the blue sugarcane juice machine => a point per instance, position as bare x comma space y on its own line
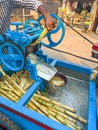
18, 52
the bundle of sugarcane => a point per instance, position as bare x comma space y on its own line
58, 107
22, 78
13, 89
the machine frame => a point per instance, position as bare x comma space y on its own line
29, 119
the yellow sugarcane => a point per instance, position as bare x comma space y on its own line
55, 102
40, 37
39, 103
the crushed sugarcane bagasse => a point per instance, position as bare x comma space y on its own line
57, 81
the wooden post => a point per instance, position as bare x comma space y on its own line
93, 13
23, 16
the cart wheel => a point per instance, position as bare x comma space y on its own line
7, 124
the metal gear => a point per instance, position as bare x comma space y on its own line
12, 56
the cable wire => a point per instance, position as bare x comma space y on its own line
78, 32
74, 54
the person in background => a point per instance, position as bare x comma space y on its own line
6, 7
79, 7
88, 7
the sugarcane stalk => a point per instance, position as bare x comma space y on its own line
2, 83
7, 95
71, 114
50, 116
27, 86
15, 91
15, 78
38, 92
15, 98
76, 117
43, 102
6, 88
50, 106
63, 115
9, 80
60, 109
35, 105
54, 114
8, 92
22, 83
40, 112
42, 108
65, 122
14, 84
55, 102
19, 95
75, 126
1, 94
30, 105
14, 95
